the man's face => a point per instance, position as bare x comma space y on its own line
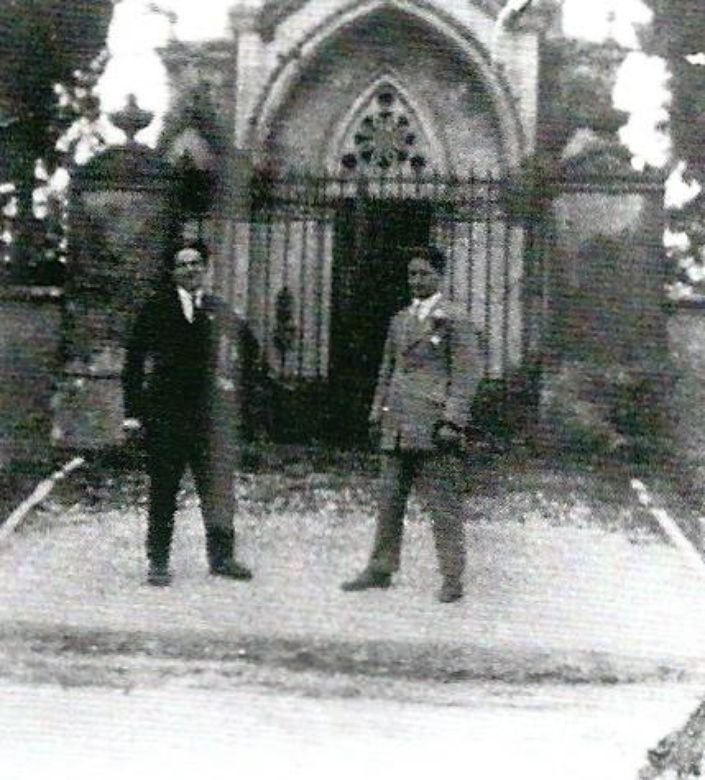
189, 270
423, 280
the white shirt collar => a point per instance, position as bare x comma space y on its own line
422, 307
188, 302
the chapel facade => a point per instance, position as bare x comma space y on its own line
343, 132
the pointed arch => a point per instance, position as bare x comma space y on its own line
275, 12
294, 61
433, 145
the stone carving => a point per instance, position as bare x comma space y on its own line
386, 138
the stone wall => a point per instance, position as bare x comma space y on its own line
30, 320
122, 231
608, 272
608, 370
686, 335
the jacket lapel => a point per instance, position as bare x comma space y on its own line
411, 327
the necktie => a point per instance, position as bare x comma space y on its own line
197, 300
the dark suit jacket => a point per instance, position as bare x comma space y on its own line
429, 374
197, 374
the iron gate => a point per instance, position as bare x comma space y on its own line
321, 256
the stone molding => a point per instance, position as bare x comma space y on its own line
273, 13
291, 63
694, 303
539, 17
246, 20
605, 164
420, 112
180, 55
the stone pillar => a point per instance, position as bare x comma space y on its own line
517, 50
608, 369
30, 340
214, 67
200, 123
609, 258
232, 215
121, 232
250, 70
686, 338
231, 209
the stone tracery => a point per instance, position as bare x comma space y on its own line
386, 138
301, 47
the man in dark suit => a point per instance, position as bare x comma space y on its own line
185, 382
430, 370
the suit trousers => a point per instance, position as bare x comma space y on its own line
439, 480
171, 447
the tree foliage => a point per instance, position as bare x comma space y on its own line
677, 33
579, 93
46, 51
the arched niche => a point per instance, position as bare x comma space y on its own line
388, 129
438, 68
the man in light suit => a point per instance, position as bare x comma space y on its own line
187, 374
430, 371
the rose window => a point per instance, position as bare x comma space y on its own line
385, 138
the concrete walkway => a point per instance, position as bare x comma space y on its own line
541, 733
542, 602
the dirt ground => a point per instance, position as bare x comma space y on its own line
568, 578
569, 583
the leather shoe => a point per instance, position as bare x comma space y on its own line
232, 570
159, 576
450, 591
368, 579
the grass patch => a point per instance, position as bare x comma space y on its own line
509, 487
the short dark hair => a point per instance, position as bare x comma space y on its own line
197, 250
432, 255
199, 245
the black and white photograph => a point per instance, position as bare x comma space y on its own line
352, 389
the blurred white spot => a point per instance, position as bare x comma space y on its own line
599, 20
678, 190
674, 240
10, 210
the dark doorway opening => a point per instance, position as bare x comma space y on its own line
369, 285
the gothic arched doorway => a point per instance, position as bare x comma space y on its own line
369, 285
397, 151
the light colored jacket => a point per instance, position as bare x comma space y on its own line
429, 374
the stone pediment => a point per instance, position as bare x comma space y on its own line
275, 12
310, 35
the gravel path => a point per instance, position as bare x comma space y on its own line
547, 598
